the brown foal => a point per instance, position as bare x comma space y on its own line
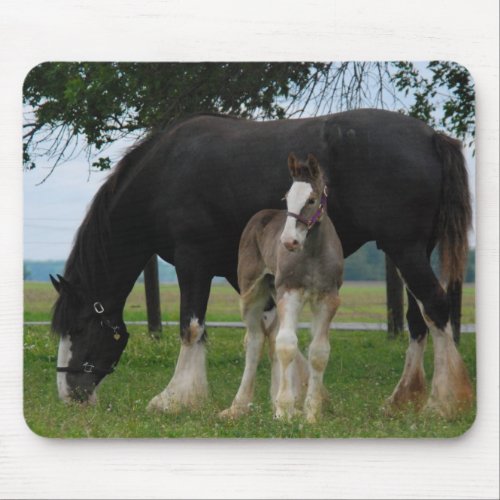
293, 256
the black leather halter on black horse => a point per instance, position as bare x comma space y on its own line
89, 367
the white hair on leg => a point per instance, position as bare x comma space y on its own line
451, 386
189, 386
411, 386
254, 342
298, 368
319, 353
289, 307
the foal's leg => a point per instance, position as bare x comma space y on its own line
299, 368
290, 304
188, 386
253, 302
411, 387
451, 388
319, 352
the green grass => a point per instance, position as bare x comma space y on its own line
363, 370
361, 302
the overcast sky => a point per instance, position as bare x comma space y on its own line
54, 210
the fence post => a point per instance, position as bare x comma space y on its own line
454, 292
152, 289
395, 300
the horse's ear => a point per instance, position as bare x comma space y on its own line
292, 164
63, 284
313, 165
55, 283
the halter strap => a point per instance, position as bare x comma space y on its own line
88, 367
316, 216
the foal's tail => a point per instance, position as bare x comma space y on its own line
455, 212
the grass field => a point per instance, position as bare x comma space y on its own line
361, 302
364, 367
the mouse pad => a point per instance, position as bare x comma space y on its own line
257, 250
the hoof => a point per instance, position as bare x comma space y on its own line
171, 402
447, 409
312, 417
234, 412
411, 401
408, 394
286, 414
163, 404
312, 408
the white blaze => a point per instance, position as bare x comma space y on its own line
63, 360
296, 199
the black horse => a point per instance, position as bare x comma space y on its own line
186, 193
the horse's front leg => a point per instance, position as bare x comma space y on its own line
290, 304
319, 352
188, 387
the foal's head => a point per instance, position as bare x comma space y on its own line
306, 201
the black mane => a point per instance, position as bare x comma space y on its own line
88, 255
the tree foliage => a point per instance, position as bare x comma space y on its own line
70, 107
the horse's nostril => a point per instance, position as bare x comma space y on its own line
295, 243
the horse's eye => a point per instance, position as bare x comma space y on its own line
311, 201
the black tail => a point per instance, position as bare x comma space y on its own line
455, 214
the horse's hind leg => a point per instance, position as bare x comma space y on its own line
188, 386
319, 352
411, 388
253, 303
451, 388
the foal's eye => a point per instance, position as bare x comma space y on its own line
311, 201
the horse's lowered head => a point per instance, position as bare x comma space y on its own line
306, 201
92, 340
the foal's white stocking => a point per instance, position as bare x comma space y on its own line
254, 341
289, 307
319, 353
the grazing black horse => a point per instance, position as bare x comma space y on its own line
186, 193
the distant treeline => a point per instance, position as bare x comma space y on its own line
367, 264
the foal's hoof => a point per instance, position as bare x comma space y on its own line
286, 414
312, 418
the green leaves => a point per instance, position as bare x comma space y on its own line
78, 106
443, 95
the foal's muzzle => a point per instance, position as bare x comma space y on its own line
292, 245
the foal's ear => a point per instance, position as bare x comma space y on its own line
292, 164
313, 165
